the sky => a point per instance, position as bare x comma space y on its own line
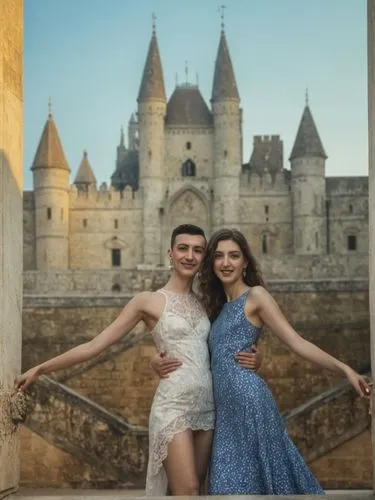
88, 56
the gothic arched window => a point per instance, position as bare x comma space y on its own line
188, 168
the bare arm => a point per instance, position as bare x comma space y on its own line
131, 314
271, 315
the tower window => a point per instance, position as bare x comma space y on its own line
352, 242
188, 145
265, 244
116, 257
49, 213
188, 168
350, 208
116, 223
266, 209
225, 153
84, 222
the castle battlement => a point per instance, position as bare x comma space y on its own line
265, 181
105, 197
266, 138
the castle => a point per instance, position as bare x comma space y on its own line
183, 163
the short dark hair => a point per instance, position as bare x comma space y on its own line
186, 229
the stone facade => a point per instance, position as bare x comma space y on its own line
183, 163
11, 121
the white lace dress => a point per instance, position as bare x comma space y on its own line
185, 399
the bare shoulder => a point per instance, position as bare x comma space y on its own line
147, 300
258, 294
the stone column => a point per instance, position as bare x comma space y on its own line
11, 29
371, 136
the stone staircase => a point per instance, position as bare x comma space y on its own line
327, 420
117, 451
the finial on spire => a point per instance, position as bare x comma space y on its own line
307, 97
153, 23
49, 106
221, 9
187, 72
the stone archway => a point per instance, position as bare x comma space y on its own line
11, 15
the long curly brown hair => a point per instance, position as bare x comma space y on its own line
212, 291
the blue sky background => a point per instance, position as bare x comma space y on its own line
88, 55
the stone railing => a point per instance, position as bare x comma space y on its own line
76, 282
328, 420
116, 450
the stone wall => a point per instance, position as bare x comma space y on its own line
103, 220
11, 120
279, 270
349, 464
333, 315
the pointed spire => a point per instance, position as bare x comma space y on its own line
122, 138
307, 141
152, 84
224, 86
50, 152
85, 175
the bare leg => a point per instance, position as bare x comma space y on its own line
202, 452
180, 465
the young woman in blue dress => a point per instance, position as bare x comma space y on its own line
251, 452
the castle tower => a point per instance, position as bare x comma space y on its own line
227, 140
307, 161
51, 182
151, 114
85, 176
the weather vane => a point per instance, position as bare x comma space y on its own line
221, 9
50, 106
307, 96
153, 23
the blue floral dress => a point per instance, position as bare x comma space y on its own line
252, 453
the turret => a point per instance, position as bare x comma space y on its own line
307, 161
85, 177
227, 140
151, 115
51, 182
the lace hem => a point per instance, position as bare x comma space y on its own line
159, 445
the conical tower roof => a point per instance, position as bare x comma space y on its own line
85, 174
50, 152
152, 84
224, 85
307, 141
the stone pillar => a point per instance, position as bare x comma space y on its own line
11, 16
371, 130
